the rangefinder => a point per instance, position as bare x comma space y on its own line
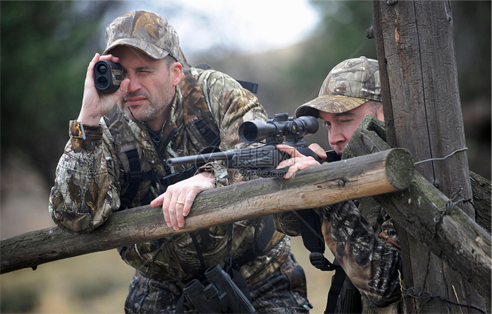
108, 76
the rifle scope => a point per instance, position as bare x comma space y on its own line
274, 131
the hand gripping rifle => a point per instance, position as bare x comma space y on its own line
261, 160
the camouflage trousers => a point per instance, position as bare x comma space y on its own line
283, 292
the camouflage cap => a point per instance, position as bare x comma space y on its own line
146, 31
348, 85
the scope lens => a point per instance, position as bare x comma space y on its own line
102, 68
102, 82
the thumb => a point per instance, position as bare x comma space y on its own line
120, 92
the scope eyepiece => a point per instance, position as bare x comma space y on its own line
108, 76
308, 124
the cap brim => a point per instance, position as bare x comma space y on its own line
150, 49
330, 104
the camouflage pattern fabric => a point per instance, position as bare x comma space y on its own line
348, 85
370, 261
281, 293
146, 31
90, 178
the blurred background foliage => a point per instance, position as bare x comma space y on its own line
44, 62
45, 49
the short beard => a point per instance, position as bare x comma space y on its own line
151, 111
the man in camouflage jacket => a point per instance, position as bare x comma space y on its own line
166, 109
351, 91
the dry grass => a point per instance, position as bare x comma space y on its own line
94, 283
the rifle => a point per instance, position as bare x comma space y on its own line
261, 160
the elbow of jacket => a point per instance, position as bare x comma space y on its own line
75, 224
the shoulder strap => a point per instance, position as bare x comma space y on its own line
252, 87
335, 289
310, 223
260, 243
198, 118
201, 123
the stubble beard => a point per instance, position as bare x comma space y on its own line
155, 110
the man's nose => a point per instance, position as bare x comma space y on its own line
134, 84
335, 136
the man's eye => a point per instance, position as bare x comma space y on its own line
345, 120
327, 124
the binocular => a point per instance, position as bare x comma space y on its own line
108, 76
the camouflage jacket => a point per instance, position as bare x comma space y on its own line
92, 176
371, 262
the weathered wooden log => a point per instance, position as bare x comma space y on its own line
383, 172
415, 48
434, 220
454, 236
482, 195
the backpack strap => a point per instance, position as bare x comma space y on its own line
343, 296
260, 243
252, 87
335, 289
310, 223
212, 139
134, 177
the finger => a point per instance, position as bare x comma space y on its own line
290, 173
165, 208
180, 212
286, 163
108, 57
172, 211
123, 86
190, 198
89, 77
120, 92
289, 150
318, 150
158, 201
300, 165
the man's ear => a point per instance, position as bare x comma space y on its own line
176, 72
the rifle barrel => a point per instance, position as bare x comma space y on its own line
200, 159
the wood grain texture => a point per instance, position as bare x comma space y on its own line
316, 186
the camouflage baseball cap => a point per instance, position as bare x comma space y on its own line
146, 31
348, 85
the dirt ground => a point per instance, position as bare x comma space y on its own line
93, 283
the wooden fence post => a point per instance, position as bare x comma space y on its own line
414, 41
